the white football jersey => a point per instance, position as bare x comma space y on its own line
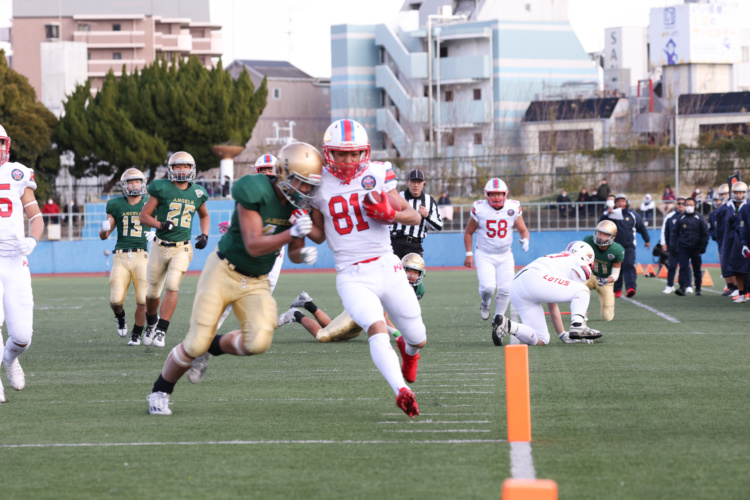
351, 234
561, 265
14, 179
495, 226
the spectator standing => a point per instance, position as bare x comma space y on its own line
628, 223
51, 208
728, 224
583, 199
445, 206
563, 203
603, 191
690, 236
647, 209
666, 235
225, 188
407, 239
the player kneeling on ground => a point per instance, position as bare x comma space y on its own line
237, 273
553, 278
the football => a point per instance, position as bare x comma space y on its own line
375, 197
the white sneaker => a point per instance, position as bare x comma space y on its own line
198, 370
668, 289
287, 317
301, 300
689, 289
148, 335
565, 337
158, 403
739, 299
158, 338
122, 325
15, 375
500, 328
734, 294
583, 332
484, 311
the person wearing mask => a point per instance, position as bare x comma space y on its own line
690, 236
666, 235
647, 209
50, 209
563, 203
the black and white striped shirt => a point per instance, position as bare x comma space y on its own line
433, 221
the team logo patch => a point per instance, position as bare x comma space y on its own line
16, 174
511, 212
368, 182
199, 192
610, 256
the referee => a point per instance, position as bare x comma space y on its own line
408, 239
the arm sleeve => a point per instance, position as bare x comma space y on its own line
433, 219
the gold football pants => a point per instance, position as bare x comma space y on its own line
167, 265
251, 300
342, 327
127, 267
606, 295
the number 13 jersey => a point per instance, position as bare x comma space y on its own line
350, 233
495, 226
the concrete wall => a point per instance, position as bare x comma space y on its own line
440, 250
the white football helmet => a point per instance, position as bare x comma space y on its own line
495, 186
181, 158
266, 164
415, 262
739, 189
4, 146
346, 135
583, 253
133, 174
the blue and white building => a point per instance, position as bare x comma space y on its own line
454, 78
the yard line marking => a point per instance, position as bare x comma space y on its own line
521, 461
270, 442
437, 431
457, 392
456, 385
651, 309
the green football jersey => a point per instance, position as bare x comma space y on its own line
130, 233
176, 206
255, 192
419, 290
603, 259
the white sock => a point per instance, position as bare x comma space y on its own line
12, 351
526, 334
390, 329
501, 303
410, 349
386, 361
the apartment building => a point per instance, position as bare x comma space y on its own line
60, 43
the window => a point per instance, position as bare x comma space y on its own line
450, 139
566, 140
277, 94
52, 31
382, 98
443, 51
477, 94
427, 134
381, 55
117, 56
88, 56
116, 27
415, 6
448, 96
426, 91
478, 138
84, 27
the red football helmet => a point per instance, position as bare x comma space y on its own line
4, 146
346, 135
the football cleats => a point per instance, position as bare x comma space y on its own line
298, 163
133, 174
181, 158
605, 232
266, 164
346, 135
496, 186
739, 190
4, 146
583, 252
415, 262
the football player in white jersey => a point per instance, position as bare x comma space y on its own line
495, 219
347, 214
553, 279
17, 187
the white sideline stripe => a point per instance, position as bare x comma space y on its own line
440, 414
418, 422
521, 461
651, 309
455, 392
284, 442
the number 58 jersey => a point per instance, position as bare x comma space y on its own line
495, 226
350, 233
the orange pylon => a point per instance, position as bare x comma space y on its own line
638, 269
649, 272
706, 281
663, 272
529, 489
517, 392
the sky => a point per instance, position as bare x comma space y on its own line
299, 30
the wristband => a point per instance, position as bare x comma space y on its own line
469, 254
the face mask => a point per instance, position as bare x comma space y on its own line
689, 210
49, 202
610, 203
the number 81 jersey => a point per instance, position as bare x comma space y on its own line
14, 179
495, 226
350, 233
